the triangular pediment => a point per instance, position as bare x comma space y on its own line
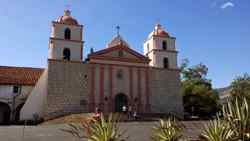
119, 53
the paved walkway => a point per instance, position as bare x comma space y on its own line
137, 131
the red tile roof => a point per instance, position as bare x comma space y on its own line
19, 75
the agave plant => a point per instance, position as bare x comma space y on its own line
217, 130
98, 130
167, 130
236, 113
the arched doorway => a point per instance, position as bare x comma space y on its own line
4, 113
120, 101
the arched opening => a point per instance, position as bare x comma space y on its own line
120, 53
165, 63
164, 45
18, 110
66, 54
67, 34
120, 101
5, 112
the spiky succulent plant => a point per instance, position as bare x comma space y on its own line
217, 130
98, 130
167, 130
236, 113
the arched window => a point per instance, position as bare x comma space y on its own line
165, 63
164, 45
66, 54
120, 53
67, 34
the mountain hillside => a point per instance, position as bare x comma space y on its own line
224, 93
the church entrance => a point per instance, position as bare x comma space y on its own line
120, 101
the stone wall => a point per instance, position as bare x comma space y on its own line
165, 96
67, 88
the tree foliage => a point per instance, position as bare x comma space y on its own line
198, 96
240, 87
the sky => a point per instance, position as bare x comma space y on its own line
213, 32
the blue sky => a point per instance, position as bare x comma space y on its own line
214, 32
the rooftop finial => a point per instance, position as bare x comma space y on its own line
67, 11
157, 26
118, 30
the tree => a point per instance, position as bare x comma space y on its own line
240, 87
198, 96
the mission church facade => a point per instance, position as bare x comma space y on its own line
108, 79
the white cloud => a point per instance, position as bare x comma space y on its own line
227, 5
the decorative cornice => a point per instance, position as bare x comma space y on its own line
119, 47
153, 36
130, 66
160, 50
76, 41
119, 59
54, 22
65, 61
123, 65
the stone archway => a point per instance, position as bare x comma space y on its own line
5, 112
120, 100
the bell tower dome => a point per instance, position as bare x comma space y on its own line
159, 47
66, 41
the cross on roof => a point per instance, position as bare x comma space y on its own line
67, 6
118, 30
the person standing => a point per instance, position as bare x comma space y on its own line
135, 115
124, 109
130, 113
97, 115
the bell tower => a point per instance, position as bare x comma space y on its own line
159, 47
66, 41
